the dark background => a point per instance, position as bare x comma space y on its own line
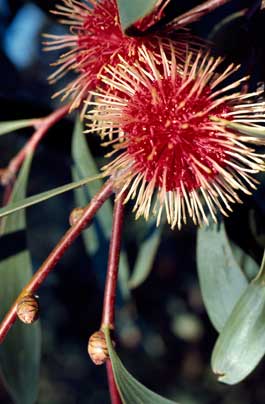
165, 337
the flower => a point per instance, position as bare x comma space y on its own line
95, 40
175, 152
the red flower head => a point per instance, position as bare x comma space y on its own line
95, 40
171, 139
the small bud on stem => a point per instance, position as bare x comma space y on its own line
75, 215
28, 309
97, 348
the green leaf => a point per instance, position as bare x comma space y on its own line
86, 166
245, 261
145, 259
20, 352
221, 279
131, 391
89, 235
43, 196
124, 276
240, 345
92, 242
132, 11
7, 127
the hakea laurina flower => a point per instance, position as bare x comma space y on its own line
167, 127
95, 40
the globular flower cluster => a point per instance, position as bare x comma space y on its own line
96, 40
164, 106
170, 139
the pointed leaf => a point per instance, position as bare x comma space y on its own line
20, 352
10, 126
43, 196
123, 276
89, 235
240, 345
145, 259
221, 279
131, 391
86, 166
92, 242
132, 11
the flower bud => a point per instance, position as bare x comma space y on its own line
28, 309
97, 348
75, 215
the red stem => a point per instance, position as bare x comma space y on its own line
56, 254
114, 393
43, 125
198, 12
108, 312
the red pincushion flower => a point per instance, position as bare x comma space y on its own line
171, 138
95, 40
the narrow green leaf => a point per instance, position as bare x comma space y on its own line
132, 11
240, 345
43, 196
246, 130
7, 127
86, 166
131, 391
221, 279
145, 259
20, 352
89, 235
124, 274
92, 242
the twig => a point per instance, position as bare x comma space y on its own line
114, 394
108, 312
197, 12
42, 126
56, 254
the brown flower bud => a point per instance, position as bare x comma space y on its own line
28, 309
97, 348
75, 215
